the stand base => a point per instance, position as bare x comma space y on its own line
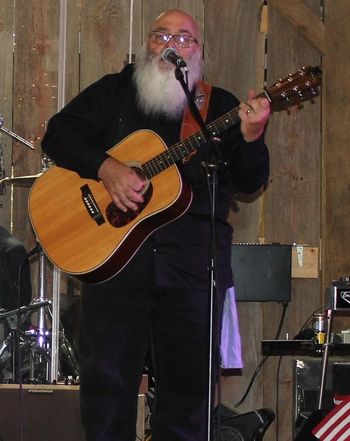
241, 427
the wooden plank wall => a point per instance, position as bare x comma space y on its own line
301, 204
292, 200
6, 84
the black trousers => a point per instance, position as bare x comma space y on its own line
120, 321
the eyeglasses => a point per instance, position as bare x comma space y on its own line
181, 40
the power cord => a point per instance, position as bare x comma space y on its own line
284, 310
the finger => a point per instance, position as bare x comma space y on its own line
246, 109
138, 186
251, 94
120, 205
250, 110
125, 205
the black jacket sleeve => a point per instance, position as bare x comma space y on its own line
247, 163
74, 138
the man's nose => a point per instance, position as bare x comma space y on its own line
171, 42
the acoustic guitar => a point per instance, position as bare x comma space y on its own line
81, 230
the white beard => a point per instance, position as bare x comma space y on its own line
158, 91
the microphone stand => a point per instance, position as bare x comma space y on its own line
211, 169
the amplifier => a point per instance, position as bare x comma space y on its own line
262, 272
48, 413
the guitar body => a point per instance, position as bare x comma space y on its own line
96, 250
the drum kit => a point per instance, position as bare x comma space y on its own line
33, 347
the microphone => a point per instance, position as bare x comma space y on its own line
171, 56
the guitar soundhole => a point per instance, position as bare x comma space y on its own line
118, 218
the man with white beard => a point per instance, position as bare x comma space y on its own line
159, 300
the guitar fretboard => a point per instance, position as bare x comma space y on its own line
187, 146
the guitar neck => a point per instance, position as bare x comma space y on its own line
189, 145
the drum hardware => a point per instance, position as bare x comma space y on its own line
16, 344
14, 135
42, 331
26, 181
57, 340
30, 349
18, 180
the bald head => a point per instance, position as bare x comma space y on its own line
168, 28
176, 18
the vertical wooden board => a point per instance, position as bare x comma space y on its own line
6, 87
35, 92
104, 38
336, 172
294, 139
293, 192
234, 54
292, 200
232, 45
72, 59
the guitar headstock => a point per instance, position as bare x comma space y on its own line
294, 89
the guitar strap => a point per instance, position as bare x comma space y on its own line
189, 124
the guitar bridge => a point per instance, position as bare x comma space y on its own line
91, 205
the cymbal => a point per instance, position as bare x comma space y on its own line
20, 180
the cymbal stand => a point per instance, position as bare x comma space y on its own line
46, 163
23, 141
55, 328
14, 135
42, 279
38, 339
56, 278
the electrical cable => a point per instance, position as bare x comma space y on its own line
284, 305
277, 398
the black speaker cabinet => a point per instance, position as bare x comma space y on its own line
261, 273
40, 413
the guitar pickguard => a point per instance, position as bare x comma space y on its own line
118, 218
